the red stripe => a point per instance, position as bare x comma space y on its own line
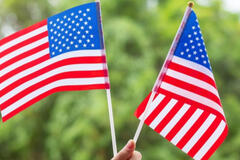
192, 88
75, 60
204, 137
191, 102
216, 144
22, 32
181, 123
192, 73
20, 69
192, 130
45, 94
142, 106
24, 55
157, 110
66, 75
169, 116
24, 43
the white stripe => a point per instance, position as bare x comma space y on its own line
199, 133
64, 82
23, 37
153, 105
175, 120
67, 68
23, 61
214, 137
163, 113
192, 96
187, 126
193, 65
80, 53
23, 49
192, 80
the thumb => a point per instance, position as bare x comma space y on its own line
126, 152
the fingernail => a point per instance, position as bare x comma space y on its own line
130, 144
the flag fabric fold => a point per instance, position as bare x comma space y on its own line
62, 53
186, 109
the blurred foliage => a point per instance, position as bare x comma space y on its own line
75, 125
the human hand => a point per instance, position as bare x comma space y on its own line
128, 152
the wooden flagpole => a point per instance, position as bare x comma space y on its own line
109, 99
164, 69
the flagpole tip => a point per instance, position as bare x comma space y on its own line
191, 4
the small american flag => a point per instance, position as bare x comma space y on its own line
62, 53
186, 109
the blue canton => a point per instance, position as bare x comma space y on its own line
191, 45
75, 29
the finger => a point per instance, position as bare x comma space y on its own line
126, 152
136, 156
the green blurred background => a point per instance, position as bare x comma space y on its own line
138, 34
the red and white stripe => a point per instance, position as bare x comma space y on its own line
187, 109
28, 74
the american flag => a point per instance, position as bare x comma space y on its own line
62, 53
186, 109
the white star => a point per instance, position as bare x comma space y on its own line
189, 55
59, 34
68, 47
58, 27
72, 14
60, 50
51, 22
55, 32
78, 32
70, 34
182, 53
64, 45
196, 58
83, 36
71, 42
193, 27
75, 37
69, 26
84, 14
200, 50
85, 23
191, 41
198, 26
195, 52
90, 27
187, 50
88, 40
65, 17
53, 53
84, 45
76, 46
56, 47
92, 45
58, 20
69, 19
73, 21
89, 18
80, 41
51, 30
54, 25
61, 22
87, 31
76, 16
77, 24
81, 19
82, 27
79, 11
52, 45
65, 24
62, 29
197, 38
87, 9
52, 37
202, 56
193, 47
74, 29
185, 44
195, 33
199, 44
204, 62
59, 42
66, 32
56, 40
91, 36
189, 36
67, 40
